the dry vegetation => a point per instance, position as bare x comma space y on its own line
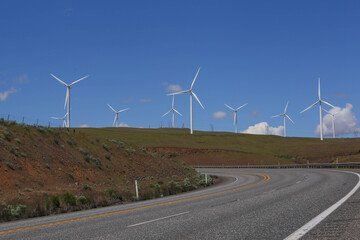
52, 170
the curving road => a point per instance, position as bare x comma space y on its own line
251, 204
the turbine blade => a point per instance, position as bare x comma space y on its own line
67, 96
192, 84
115, 120
177, 112
326, 110
123, 110
310, 107
286, 106
241, 106
55, 118
197, 99
111, 108
65, 115
166, 113
229, 107
278, 115
59, 80
79, 80
319, 90
328, 104
289, 118
178, 92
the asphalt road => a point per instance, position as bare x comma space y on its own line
270, 204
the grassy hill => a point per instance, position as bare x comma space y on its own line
48, 170
220, 148
51, 170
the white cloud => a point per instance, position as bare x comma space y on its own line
145, 100
84, 126
345, 121
173, 88
6, 94
219, 115
263, 128
123, 125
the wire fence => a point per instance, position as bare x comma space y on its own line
31, 121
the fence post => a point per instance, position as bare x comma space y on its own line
206, 179
136, 189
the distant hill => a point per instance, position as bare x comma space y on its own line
221, 148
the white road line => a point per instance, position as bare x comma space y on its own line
158, 219
310, 225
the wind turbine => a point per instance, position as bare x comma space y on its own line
173, 110
285, 116
319, 102
333, 120
67, 98
63, 118
116, 119
235, 115
191, 100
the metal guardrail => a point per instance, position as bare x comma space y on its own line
310, 165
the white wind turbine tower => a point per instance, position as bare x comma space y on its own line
320, 102
116, 119
333, 121
173, 110
191, 100
285, 116
67, 98
63, 118
235, 115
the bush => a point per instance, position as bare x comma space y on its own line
55, 201
69, 199
56, 141
10, 212
83, 200
187, 186
112, 194
108, 157
17, 140
106, 147
86, 187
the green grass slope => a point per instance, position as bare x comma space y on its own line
219, 148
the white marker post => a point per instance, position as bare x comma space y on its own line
136, 189
206, 180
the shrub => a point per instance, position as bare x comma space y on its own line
23, 155
108, 157
7, 134
82, 199
55, 201
69, 199
47, 166
112, 194
13, 151
10, 165
56, 141
41, 129
187, 186
17, 140
86, 187
10, 212
106, 147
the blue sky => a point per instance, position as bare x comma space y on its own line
259, 52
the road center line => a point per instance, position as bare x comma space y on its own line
264, 176
316, 220
158, 219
